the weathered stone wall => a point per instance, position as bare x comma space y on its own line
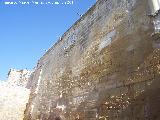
19, 77
105, 67
14, 95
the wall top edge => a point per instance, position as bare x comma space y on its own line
72, 26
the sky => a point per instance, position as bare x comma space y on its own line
27, 30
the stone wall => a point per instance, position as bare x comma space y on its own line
19, 77
105, 67
14, 95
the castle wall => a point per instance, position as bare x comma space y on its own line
105, 67
14, 95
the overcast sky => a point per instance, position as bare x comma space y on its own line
26, 31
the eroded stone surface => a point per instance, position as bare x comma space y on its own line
14, 95
105, 67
